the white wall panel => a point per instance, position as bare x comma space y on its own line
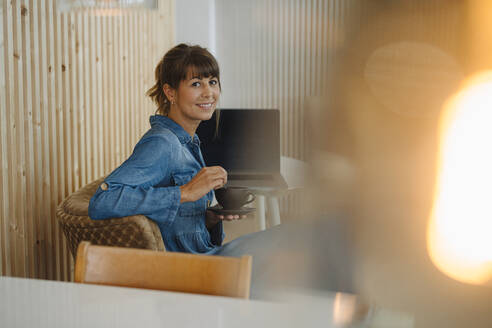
276, 54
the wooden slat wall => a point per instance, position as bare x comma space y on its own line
72, 106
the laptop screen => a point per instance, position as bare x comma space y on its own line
246, 140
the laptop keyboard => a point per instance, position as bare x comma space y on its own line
249, 177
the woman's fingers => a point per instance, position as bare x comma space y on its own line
220, 173
230, 217
208, 178
218, 183
216, 175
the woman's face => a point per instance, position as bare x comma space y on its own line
196, 98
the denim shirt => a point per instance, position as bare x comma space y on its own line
147, 183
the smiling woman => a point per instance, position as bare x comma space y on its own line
183, 63
194, 100
165, 178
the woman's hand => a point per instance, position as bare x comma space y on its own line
212, 177
213, 218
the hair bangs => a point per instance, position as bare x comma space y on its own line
201, 66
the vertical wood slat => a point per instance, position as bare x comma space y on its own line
117, 87
28, 136
111, 89
90, 110
58, 151
125, 85
104, 97
37, 166
53, 141
9, 250
84, 97
4, 176
18, 90
44, 149
140, 87
62, 128
71, 109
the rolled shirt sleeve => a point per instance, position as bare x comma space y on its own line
131, 188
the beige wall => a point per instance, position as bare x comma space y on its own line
72, 105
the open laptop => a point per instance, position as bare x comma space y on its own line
246, 143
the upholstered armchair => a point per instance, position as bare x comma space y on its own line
132, 231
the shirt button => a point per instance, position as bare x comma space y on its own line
104, 186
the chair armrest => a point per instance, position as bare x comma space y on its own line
133, 231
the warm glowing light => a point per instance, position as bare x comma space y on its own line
460, 230
344, 308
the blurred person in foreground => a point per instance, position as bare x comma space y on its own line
383, 113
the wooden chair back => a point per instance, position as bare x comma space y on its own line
140, 268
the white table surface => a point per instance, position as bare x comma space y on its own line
41, 303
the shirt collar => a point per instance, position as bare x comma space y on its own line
177, 129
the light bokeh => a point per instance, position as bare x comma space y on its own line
459, 240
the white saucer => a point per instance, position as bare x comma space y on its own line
240, 211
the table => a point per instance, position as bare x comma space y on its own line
295, 173
42, 303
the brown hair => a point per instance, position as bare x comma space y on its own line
173, 68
